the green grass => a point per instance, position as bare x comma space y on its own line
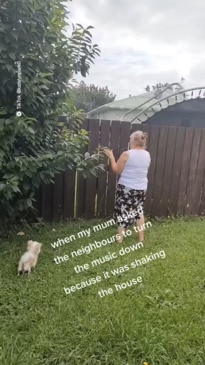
161, 321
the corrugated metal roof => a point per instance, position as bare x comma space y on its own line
135, 101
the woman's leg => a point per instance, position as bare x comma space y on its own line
120, 236
140, 227
140, 220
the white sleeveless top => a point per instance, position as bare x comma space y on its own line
134, 175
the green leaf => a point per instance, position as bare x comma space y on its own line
2, 186
12, 55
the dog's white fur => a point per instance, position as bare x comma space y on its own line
29, 259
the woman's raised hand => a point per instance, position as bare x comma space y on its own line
108, 153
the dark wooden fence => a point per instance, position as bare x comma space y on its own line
176, 175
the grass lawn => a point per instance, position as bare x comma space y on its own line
160, 320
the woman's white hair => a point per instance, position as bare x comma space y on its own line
139, 138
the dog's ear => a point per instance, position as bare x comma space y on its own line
38, 247
29, 244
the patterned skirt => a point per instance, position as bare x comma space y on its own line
129, 204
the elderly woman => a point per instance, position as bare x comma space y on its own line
132, 167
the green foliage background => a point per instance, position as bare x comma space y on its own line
35, 146
88, 97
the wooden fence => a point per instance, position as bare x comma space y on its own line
176, 175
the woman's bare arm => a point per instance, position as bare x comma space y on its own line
118, 166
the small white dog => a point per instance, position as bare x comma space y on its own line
29, 259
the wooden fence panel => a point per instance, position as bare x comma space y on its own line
168, 170
58, 198
159, 171
47, 202
202, 204
81, 183
145, 128
102, 181
196, 172
69, 194
201, 172
114, 145
91, 183
153, 144
124, 137
135, 127
191, 175
176, 172
38, 204
185, 170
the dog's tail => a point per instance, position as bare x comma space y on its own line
21, 268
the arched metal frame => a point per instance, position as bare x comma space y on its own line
158, 102
147, 101
168, 97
